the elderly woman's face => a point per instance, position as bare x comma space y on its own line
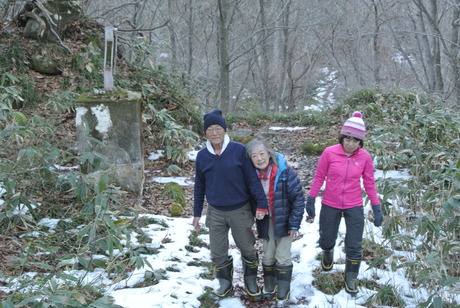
260, 158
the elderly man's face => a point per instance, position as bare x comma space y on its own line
215, 134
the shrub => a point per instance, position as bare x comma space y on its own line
175, 192
387, 295
176, 210
315, 149
330, 283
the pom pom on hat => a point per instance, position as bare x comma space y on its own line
354, 126
214, 118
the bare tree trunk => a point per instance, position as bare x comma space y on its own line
454, 53
279, 103
264, 55
405, 55
172, 38
431, 44
137, 18
224, 64
191, 26
376, 43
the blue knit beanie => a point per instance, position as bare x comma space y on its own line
214, 118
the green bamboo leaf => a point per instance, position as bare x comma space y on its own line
109, 244
449, 281
377, 262
103, 182
29, 300
81, 298
83, 232
43, 265
84, 262
65, 276
6, 304
103, 302
122, 221
20, 118
437, 302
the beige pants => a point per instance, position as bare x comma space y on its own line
276, 251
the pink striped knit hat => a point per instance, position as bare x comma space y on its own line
354, 126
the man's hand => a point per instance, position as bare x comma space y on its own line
196, 224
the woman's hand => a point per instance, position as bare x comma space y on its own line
293, 234
378, 217
260, 215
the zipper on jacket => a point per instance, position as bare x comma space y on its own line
345, 181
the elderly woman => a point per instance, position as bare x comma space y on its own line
286, 207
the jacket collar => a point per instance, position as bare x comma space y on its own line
224, 146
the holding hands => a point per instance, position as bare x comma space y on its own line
260, 215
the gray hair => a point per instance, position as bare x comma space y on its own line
254, 143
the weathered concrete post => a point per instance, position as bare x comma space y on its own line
110, 57
109, 125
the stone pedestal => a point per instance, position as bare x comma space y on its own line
109, 125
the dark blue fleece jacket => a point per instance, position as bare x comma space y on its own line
228, 181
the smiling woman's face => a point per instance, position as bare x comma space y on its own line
260, 158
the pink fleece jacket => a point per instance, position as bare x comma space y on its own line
343, 178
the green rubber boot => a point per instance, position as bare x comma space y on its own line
351, 276
284, 276
224, 273
327, 260
250, 279
270, 284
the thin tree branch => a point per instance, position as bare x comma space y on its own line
141, 30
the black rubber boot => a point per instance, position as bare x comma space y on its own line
327, 260
284, 276
224, 273
351, 276
270, 284
250, 279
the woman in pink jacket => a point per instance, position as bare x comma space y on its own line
343, 166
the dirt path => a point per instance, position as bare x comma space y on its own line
285, 142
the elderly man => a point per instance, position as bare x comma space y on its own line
225, 176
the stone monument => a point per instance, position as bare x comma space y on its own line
109, 125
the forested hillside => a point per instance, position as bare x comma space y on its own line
280, 58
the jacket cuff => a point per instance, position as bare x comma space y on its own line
262, 210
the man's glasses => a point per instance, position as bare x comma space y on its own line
214, 130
